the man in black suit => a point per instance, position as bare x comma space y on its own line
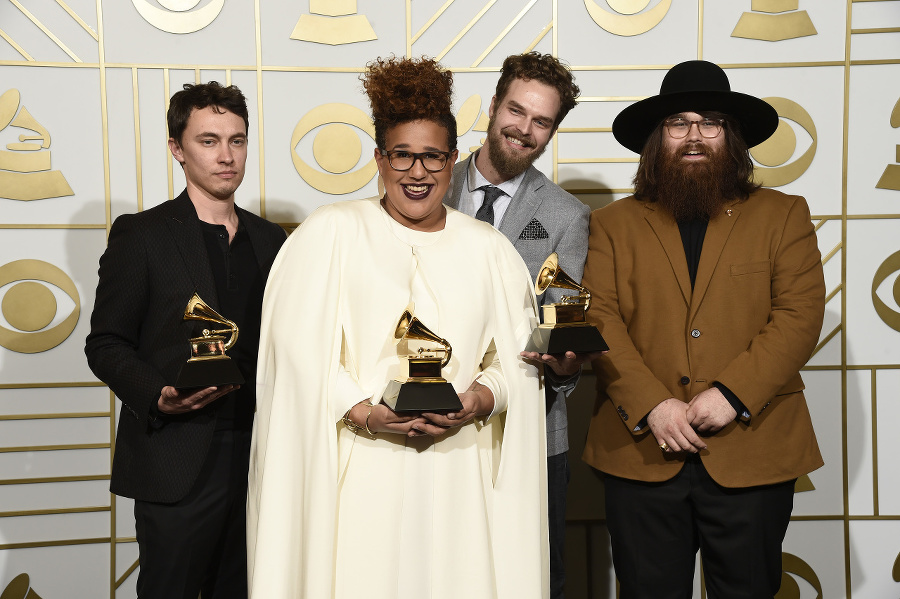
183, 454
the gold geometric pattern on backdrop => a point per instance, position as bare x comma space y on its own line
179, 18
890, 316
628, 19
336, 148
30, 306
25, 165
774, 21
793, 565
890, 178
778, 149
333, 22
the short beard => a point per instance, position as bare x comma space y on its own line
507, 164
692, 191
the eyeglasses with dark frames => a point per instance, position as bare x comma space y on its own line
678, 127
401, 160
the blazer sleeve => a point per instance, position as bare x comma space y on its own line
786, 342
122, 300
622, 374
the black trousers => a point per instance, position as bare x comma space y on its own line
557, 486
199, 544
657, 528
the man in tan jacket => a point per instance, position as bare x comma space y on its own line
711, 295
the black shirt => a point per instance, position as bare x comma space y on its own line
240, 287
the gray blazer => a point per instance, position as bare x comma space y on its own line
542, 218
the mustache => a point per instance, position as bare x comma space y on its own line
526, 140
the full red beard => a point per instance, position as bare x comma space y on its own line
507, 163
695, 190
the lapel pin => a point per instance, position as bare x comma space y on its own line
728, 211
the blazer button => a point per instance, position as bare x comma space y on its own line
695, 333
685, 380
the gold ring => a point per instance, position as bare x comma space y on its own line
664, 446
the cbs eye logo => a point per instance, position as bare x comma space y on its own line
31, 307
178, 16
774, 153
890, 266
628, 20
336, 148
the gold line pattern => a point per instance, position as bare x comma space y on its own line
53, 512
466, 29
79, 20
126, 574
873, 383
539, 37
46, 31
16, 46
430, 21
138, 167
55, 416
54, 447
875, 30
503, 33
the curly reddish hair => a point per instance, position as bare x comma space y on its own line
545, 68
401, 90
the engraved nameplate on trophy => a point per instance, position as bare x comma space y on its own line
424, 389
564, 328
208, 365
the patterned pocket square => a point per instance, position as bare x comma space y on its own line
534, 230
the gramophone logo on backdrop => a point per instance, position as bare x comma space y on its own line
774, 21
628, 18
890, 178
178, 16
333, 22
25, 165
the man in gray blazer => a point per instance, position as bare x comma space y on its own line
499, 185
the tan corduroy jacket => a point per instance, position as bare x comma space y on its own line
750, 323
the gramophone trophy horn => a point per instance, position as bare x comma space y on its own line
564, 328
424, 390
208, 365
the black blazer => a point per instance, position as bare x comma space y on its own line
154, 262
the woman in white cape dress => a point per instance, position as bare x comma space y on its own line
350, 499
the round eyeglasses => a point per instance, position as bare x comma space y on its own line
678, 127
401, 160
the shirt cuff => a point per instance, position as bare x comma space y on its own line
742, 413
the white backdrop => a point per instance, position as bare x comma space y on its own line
83, 93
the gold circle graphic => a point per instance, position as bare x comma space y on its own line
781, 146
337, 148
625, 21
29, 306
890, 316
330, 182
38, 270
179, 21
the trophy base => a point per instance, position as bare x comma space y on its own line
209, 373
427, 397
582, 339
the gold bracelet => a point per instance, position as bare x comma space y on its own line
356, 428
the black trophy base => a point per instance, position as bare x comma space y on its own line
427, 397
558, 340
209, 373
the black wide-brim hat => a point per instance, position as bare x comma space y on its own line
695, 86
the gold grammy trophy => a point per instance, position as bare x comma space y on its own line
208, 365
424, 390
564, 328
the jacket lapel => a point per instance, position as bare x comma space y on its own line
669, 237
522, 206
713, 244
262, 244
185, 227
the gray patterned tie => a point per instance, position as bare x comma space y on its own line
486, 211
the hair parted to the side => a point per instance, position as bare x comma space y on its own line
544, 68
200, 96
647, 187
401, 90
